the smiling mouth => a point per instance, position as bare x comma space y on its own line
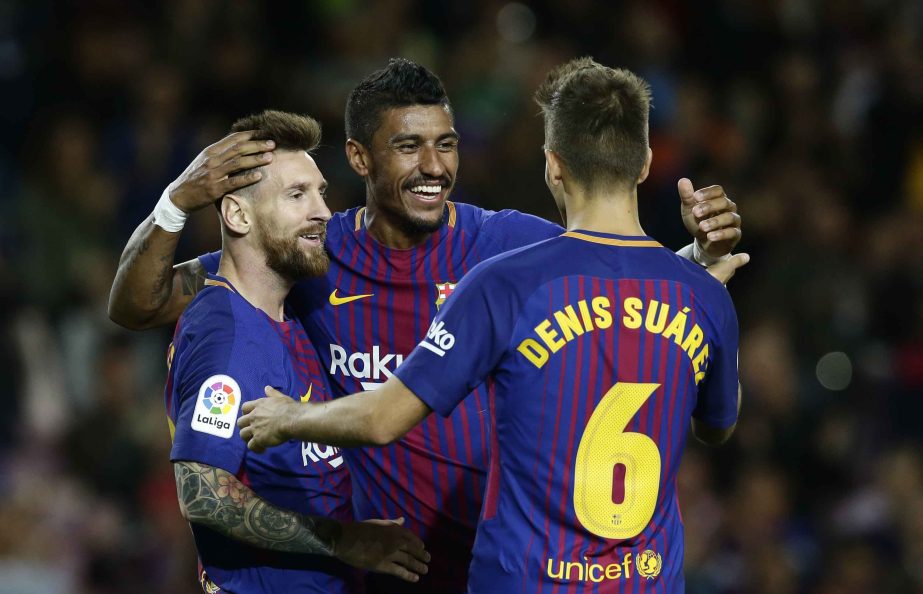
313, 238
427, 192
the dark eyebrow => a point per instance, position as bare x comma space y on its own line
398, 138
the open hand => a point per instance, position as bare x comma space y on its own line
220, 169
384, 546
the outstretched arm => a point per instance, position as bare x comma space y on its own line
148, 290
214, 498
377, 417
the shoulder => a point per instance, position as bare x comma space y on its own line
516, 268
506, 219
217, 321
343, 224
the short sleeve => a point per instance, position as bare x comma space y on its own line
464, 343
219, 371
717, 398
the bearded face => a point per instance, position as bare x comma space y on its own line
294, 255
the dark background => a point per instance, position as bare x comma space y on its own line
807, 112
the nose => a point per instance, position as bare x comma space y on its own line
431, 162
319, 211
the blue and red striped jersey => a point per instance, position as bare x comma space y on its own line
365, 316
598, 349
224, 352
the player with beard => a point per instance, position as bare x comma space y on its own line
394, 261
600, 346
280, 522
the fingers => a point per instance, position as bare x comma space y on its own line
236, 182
247, 408
410, 562
398, 571
732, 235
272, 392
724, 270
686, 191
721, 221
241, 162
229, 141
710, 203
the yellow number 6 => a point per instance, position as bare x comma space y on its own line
617, 474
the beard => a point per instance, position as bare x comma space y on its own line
286, 257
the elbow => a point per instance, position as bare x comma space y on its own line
382, 434
127, 316
712, 436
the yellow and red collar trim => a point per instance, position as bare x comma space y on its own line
612, 241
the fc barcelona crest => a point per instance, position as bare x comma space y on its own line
443, 290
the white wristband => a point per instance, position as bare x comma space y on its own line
167, 215
702, 258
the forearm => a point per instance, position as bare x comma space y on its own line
144, 293
214, 498
343, 422
378, 417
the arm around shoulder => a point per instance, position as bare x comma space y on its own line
148, 291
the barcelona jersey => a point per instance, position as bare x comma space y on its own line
224, 352
365, 316
597, 350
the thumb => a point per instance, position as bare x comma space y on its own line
273, 393
686, 190
724, 270
399, 521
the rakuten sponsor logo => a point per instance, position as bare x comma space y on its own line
373, 367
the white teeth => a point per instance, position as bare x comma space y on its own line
426, 189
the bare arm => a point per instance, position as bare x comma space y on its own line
148, 290
377, 417
214, 498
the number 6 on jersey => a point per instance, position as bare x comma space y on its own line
617, 474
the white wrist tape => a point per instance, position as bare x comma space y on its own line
167, 215
700, 256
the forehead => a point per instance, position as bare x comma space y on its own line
422, 120
294, 167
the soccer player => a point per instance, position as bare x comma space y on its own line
393, 264
282, 521
599, 346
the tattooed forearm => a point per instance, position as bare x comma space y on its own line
215, 498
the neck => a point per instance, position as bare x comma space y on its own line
609, 211
260, 285
389, 231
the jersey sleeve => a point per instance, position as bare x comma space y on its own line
717, 398
464, 343
219, 372
210, 261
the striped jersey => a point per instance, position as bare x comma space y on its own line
364, 317
597, 349
224, 352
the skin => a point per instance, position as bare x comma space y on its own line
388, 413
286, 205
413, 146
148, 291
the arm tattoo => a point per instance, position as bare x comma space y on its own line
192, 277
215, 498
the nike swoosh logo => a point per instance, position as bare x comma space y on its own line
337, 300
307, 395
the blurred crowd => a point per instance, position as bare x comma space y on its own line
808, 112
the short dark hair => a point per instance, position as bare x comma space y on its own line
400, 84
290, 131
596, 120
